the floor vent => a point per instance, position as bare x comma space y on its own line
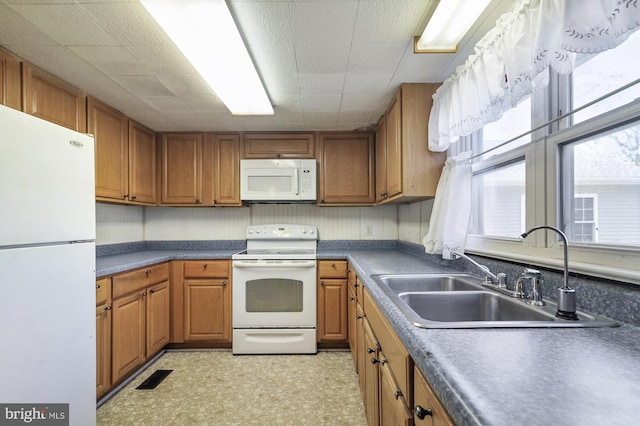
155, 379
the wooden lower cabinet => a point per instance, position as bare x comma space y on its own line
394, 409
369, 375
428, 409
128, 344
202, 302
140, 318
332, 302
103, 336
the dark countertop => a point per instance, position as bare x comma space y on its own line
509, 377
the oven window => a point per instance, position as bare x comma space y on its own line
274, 295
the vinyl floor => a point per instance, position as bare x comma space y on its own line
218, 388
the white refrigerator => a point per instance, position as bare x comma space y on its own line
47, 268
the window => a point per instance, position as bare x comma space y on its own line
582, 176
584, 228
603, 73
498, 195
606, 165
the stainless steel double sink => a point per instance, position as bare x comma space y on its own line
460, 301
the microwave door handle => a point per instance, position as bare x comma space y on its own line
297, 181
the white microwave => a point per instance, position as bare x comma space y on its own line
277, 180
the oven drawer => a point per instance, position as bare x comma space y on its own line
332, 268
207, 269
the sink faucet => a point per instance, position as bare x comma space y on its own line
496, 282
566, 295
489, 276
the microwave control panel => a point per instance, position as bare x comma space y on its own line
308, 179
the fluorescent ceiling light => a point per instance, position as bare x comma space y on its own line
205, 32
448, 24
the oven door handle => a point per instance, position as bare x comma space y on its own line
282, 264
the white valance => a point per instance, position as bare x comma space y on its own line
511, 60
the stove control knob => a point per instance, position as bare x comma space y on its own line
312, 231
250, 231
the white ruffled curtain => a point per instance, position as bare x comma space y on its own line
511, 60
451, 213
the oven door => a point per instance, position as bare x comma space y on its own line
274, 293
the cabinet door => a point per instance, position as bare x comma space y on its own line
207, 310
226, 173
332, 310
157, 320
51, 99
352, 313
428, 409
127, 335
346, 169
381, 160
369, 361
393, 151
110, 130
103, 349
10, 84
393, 406
142, 164
279, 145
181, 171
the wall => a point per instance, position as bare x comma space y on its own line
120, 224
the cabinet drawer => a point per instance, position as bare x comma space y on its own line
429, 403
394, 351
130, 282
102, 290
332, 268
206, 269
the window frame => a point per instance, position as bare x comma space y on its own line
543, 190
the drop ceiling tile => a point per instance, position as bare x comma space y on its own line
320, 103
321, 84
365, 84
325, 22
143, 85
376, 58
162, 59
388, 21
123, 21
112, 60
15, 30
326, 58
65, 23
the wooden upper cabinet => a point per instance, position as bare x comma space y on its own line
346, 173
181, 168
279, 145
52, 99
109, 128
406, 170
223, 151
10, 80
142, 164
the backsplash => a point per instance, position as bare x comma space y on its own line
121, 224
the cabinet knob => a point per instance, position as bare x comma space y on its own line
144, 294
358, 316
322, 283
205, 265
374, 360
397, 394
133, 197
370, 351
352, 298
97, 286
197, 201
215, 201
224, 283
356, 285
152, 291
148, 272
421, 413
107, 308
